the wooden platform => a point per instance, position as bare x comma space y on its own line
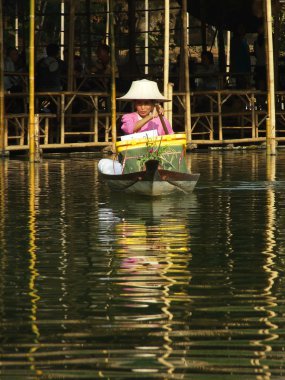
83, 119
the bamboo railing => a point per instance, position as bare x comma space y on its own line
83, 119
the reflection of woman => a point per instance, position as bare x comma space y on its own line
146, 117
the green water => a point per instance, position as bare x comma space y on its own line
99, 285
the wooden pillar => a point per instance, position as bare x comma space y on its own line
89, 30
167, 105
113, 76
169, 114
2, 100
62, 28
228, 51
2, 110
16, 25
132, 31
203, 25
34, 154
277, 11
181, 86
166, 47
222, 52
107, 40
71, 23
62, 118
271, 120
185, 58
146, 38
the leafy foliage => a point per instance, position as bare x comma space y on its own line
155, 151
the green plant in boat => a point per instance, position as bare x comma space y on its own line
156, 151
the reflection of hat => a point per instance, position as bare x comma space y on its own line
144, 89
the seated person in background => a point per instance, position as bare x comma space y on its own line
49, 70
79, 73
102, 67
177, 78
260, 55
12, 83
240, 63
49, 73
206, 73
148, 114
78, 67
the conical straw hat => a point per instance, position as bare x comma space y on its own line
144, 89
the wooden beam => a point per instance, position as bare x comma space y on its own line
186, 72
166, 47
2, 121
71, 23
271, 120
34, 154
113, 76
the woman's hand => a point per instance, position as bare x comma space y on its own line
158, 110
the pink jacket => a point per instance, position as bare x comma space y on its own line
130, 119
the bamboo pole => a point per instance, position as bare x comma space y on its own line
89, 30
146, 38
62, 11
170, 104
4, 190
34, 154
107, 23
166, 46
132, 31
228, 54
71, 23
276, 39
2, 110
16, 25
113, 77
271, 120
186, 73
222, 53
203, 25
166, 55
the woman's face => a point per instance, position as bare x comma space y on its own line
144, 107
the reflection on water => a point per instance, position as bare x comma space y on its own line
98, 285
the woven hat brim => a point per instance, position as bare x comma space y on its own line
144, 89
144, 98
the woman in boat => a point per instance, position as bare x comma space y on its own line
148, 113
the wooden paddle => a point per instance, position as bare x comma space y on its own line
161, 119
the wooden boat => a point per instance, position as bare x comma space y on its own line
150, 166
153, 181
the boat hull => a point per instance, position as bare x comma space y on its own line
152, 181
150, 188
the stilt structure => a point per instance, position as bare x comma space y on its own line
185, 58
71, 23
62, 28
146, 38
271, 119
34, 153
2, 121
220, 122
166, 55
113, 76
